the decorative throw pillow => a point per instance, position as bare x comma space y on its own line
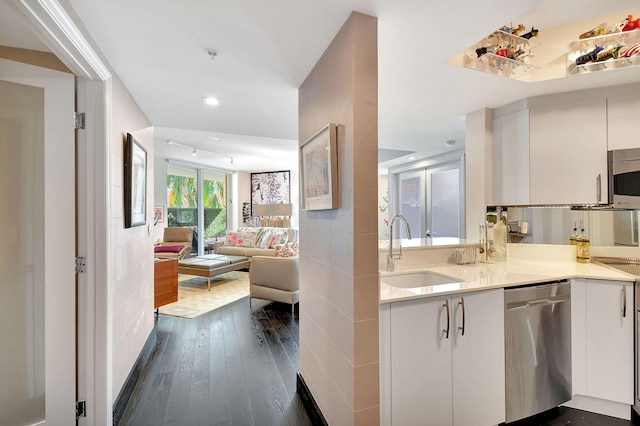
287, 250
263, 237
279, 239
167, 249
231, 239
247, 237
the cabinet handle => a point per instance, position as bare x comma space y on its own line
461, 302
624, 302
599, 187
446, 331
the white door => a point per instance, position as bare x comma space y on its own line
37, 248
412, 205
445, 201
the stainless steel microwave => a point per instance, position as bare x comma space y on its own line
624, 178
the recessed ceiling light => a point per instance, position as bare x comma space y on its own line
211, 101
213, 53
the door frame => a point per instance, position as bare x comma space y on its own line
56, 28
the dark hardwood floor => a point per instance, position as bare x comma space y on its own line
233, 366
562, 416
237, 366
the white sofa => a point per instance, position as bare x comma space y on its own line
261, 246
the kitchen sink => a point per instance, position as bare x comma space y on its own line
417, 279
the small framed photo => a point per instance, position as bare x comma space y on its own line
158, 214
319, 170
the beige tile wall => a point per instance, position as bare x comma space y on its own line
339, 256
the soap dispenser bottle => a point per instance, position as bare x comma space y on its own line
500, 235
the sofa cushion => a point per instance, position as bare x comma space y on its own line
264, 236
247, 237
279, 238
259, 252
167, 249
234, 251
231, 239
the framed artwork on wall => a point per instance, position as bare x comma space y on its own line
270, 188
158, 214
319, 170
135, 183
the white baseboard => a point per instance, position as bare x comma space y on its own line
600, 406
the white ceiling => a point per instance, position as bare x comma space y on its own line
266, 49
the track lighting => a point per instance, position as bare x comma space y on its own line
194, 151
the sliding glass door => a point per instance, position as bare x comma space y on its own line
432, 200
197, 198
444, 199
412, 203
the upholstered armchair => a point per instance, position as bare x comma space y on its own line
176, 243
274, 278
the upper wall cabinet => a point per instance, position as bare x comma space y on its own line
568, 153
551, 153
622, 112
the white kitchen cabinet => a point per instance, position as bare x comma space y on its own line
609, 340
439, 380
602, 339
511, 159
622, 112
568, 153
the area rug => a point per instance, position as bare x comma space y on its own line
194, 299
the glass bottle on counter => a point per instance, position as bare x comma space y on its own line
500, 235
573, 239
583, 246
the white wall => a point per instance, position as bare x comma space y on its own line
160, 195
132, 249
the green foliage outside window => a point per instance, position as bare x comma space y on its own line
182, 209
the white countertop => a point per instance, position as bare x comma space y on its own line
484, 276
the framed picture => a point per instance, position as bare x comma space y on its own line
135, 183
319, 170
270, 188
158, 214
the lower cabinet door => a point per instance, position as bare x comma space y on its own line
421, 362
609, 340
478, 358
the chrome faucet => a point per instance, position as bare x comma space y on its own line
390, 266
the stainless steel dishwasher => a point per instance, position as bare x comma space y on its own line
537, 348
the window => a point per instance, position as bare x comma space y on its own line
183, 200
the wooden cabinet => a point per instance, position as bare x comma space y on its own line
568, 153
602, 339
511, 159
440, 379
622, 112
165, 282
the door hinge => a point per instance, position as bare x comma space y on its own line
81, 409
79, 120
81, 264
